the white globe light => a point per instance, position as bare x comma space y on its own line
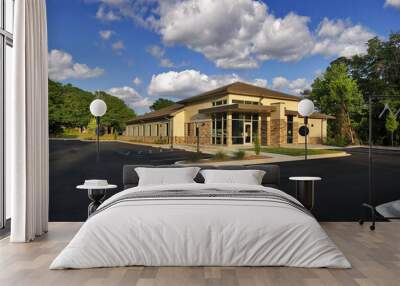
306, 107
98, 107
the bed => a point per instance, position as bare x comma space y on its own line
198, 224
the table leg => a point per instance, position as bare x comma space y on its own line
96, 197
305, 193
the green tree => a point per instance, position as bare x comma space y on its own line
69, 107
92, 126
391, 124
335, 92
117, 113
377, 73
161, 103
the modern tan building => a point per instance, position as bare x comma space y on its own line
235, 114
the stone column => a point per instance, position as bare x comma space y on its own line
278, 125
229, 129
268, 130
295, 131
264, 130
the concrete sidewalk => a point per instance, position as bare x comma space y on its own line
376, 147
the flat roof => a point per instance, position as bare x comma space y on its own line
241, 88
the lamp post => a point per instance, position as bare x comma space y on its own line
305, 109
98, 108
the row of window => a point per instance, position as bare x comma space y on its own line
219, 102
244, 127
219, 128
148, 130
236, 101
246, 102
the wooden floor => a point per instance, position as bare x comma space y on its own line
375, 257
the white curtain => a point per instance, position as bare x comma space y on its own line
27, 124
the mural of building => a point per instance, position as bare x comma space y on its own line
236, 114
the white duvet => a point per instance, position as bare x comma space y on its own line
194, 231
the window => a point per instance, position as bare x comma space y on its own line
219, 128
239, 120
219, 102
6, 44
290, 129
246, 102
189, 129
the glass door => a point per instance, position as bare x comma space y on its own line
247, 133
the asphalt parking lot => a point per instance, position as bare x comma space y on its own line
338, 197
73, 161
344, 185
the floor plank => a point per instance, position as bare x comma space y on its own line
375, 257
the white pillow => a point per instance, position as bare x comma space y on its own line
247, 177
166, 176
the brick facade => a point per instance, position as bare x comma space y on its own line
278, 132
190, 134
295, 132
264, 130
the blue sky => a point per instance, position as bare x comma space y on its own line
178, 48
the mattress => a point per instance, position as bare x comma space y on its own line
201, 225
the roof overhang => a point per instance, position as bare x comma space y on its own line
237, 107
151, 119
315, 115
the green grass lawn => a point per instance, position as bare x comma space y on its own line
298, 152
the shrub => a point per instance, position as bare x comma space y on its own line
239, 154
257, 146
220, 155
161, 141
339, 141
195, 157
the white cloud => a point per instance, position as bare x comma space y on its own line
393, 3
62, 67
156, 51
242, 33
341, 38
117, 46
260, 82
234, 34
296, 86
104, 15
166, 63
191, 82
280, 82
130, 96
145, 102
137, 81
105, 34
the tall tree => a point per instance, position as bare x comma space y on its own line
69, 107
117, 112
377, 73
335, 92
391, 125
161, 103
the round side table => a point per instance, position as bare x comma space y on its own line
96, 195
305, 190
